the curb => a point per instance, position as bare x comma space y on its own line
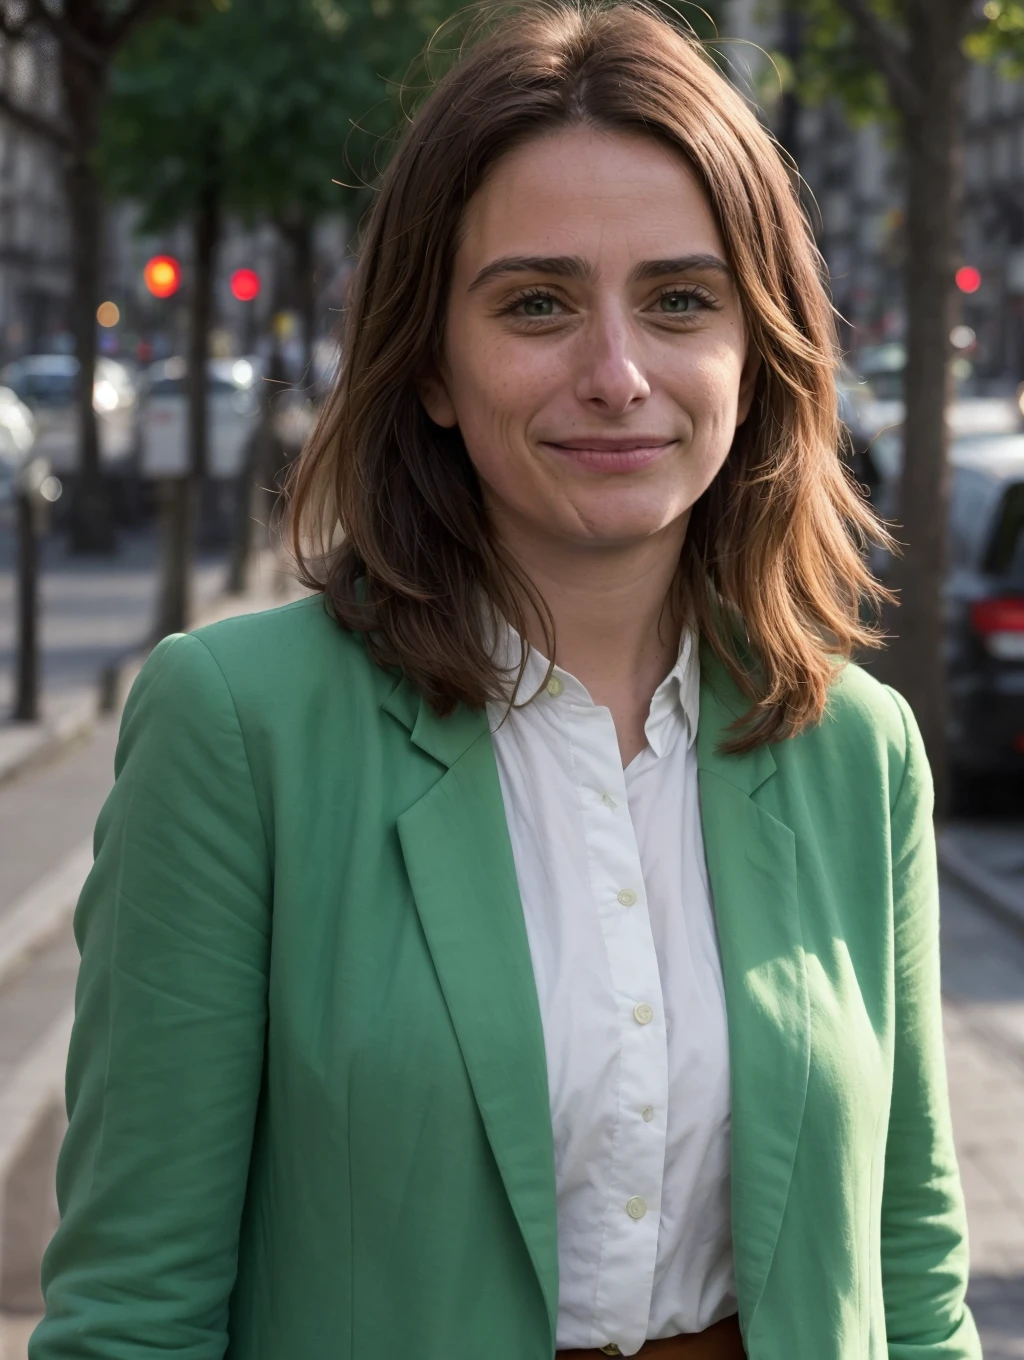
987, 889
38, 914
32, 1121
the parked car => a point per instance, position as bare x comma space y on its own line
985, 605
233, 409
47, 384
17, 435
967, 417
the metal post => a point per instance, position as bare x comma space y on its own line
26, 704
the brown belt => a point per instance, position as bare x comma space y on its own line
722, 1341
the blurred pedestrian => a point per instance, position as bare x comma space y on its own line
529, 942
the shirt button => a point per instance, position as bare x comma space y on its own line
554, 687
647, 1113
635, 1207
627, 897
643, 1014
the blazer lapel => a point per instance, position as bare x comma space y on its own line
459, 859
751, 858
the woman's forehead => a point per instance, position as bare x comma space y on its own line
588, 193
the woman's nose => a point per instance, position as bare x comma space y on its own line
610, 374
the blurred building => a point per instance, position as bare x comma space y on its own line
34, 265
854, 196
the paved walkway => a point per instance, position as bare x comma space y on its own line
983, 981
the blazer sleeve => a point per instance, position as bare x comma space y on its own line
166, 1056
924, 1245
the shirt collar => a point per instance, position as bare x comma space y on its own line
676, 700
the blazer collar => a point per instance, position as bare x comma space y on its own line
445, 739
722, 704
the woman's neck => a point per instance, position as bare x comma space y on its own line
616, 624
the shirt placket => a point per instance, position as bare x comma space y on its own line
634, 1174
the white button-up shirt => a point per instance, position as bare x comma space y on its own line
618, 913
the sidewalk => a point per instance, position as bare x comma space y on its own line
983, 985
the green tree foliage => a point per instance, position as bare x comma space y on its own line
275, 103
836, 62
832, 62
1001, 38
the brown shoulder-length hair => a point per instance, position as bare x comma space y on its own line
385, 510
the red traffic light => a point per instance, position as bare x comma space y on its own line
968, 279
245, 284
162, 275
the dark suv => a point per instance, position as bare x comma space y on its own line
985, 605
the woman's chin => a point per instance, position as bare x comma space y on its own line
612, 530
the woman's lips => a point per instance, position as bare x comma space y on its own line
623, 458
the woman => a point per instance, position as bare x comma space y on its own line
528, 942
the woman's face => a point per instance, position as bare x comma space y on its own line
596, 361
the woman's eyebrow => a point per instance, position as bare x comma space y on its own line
564, 266
575, 267
680, 264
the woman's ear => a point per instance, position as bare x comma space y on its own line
433, 393
748, 384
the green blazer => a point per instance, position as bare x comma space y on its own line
307, 1091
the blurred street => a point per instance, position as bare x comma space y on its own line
93, 610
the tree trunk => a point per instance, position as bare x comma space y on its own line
177, 517
204, 238
186, 500
92, 522
934, 145
788, 131
305, 289
252, 499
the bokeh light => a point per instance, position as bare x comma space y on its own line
245, 284
108, 314
162, 275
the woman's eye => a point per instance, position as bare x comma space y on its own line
679, 304
538, 306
